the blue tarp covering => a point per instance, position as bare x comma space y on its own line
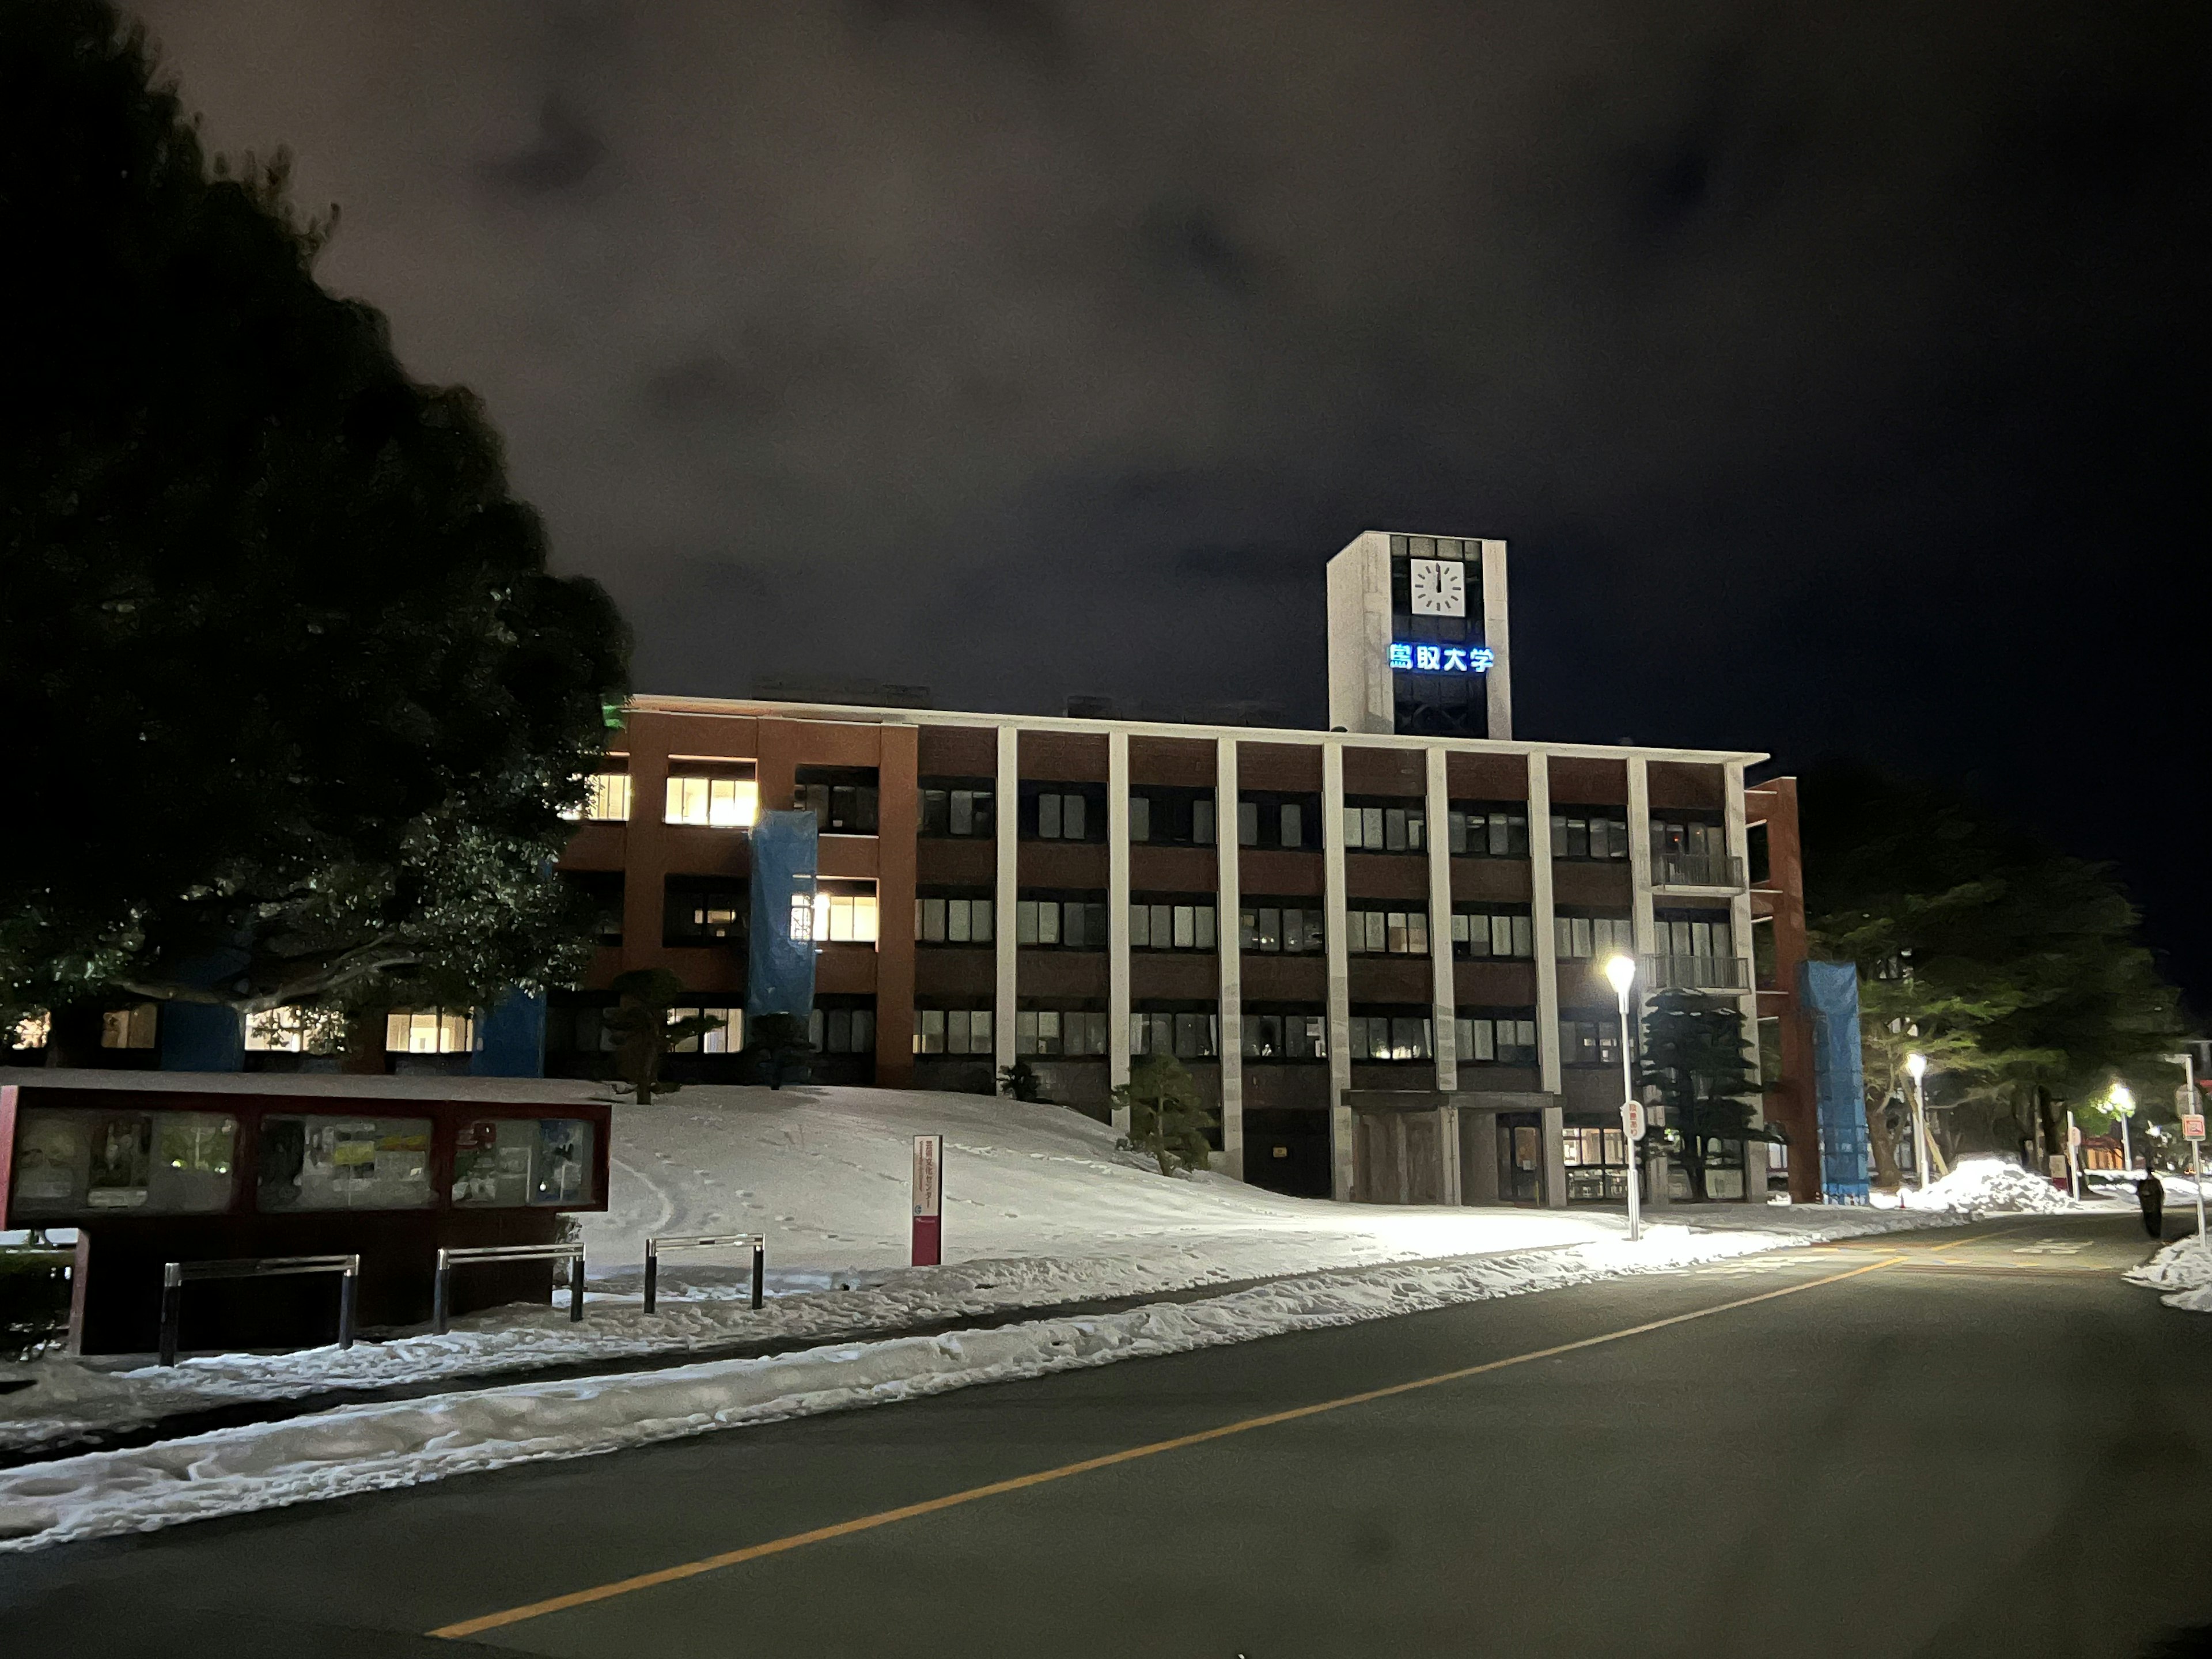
780, 970
511, 1037
1831, 991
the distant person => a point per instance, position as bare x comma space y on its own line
2150, 1193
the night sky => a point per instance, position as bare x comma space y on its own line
1837, 371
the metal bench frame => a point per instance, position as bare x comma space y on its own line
174, 1273
460, 1255
653, 1247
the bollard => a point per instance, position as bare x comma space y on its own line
760, 1270
576, 1290
652, 1272
173, 1301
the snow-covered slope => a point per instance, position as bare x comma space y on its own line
825, 1173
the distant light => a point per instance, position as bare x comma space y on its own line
1442, 659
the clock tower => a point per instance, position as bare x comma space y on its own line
1417, 636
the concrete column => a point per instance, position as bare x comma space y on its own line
1547, 974
1644, 925
897, 851
1555, 1158
1498, 687
1444, 993
1009, 831
1339, 970
1229, 953
1735, 821
1117, 918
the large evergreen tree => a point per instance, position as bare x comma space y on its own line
1696, 1058
2016, 968
296, 703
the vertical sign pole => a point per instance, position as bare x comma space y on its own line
928, 1201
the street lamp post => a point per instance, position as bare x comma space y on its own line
1620, 970
2188, 1064
2123, 1108
1918, 1064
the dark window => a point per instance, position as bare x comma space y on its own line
1379, 823
1269, 818
962, 1030
841, 798
1589, 936
1485, 931
959, 807
1755, 843
1188, 1031
1171, 818
1491, 831
1496, 1036
704, 910
1171, 922
1284, 927
1394, 930
1289, 1032
1063, 921
1064, 812
601, 889
1389, 1033
1078, 1032
848, 1029
1590, 1038
1596, 833
953, 915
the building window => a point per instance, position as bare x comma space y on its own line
606, 799
1589, 832
1403, 932
134, 1027
1172, 818
1075, 1032
1268, 818
958, 807
289, 1031
951, 919
30, 1031
715, 797
843, 912
600, 893
697, 911
1064, 812
1380, 825
1273, 927
1596, 1163
729, 1038
1589, 1039
1187, 1033
1065, 922
1593, 939
1678, 835
1286, 1034
1481, 932
1487, 1037
429, 1031
1490, 832
1695, 934
1170, 924
841, 798
842, 1031
1391, 1036
952, 1031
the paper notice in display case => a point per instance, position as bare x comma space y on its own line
122, 1155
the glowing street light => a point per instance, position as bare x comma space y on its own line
1918, 1064
1620, 973
2121, 1104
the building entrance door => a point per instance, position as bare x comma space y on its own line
1520, 1157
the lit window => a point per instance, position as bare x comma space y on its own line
289, 1031
840, 918
129, 1028
30, 1032
607, 800
728, 1039
1387, 933
715, 803
429, 1031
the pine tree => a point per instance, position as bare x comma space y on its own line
1695, 1055
644, 1034
1020, 1081
1168, 1119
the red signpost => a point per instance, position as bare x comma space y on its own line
928, 1201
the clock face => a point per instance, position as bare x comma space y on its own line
1439, 587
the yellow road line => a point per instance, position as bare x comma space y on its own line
1021, 1482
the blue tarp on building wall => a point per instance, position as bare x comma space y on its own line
1831, 991
780, 967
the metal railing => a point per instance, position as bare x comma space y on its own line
1696, 870
653, 1247
174, 1273
462, 1255
1697, 973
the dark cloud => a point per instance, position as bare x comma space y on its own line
1834, 370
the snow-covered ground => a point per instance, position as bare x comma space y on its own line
2181, 1273
1986, 1186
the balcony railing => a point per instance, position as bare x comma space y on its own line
1697, 973
1696, 870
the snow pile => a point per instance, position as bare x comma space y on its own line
2182, 1271
372, 1448
1980, 1185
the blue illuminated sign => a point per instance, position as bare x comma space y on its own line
1442, 659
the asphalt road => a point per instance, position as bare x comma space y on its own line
1976, 1442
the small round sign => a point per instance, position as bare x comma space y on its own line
1631, 1119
